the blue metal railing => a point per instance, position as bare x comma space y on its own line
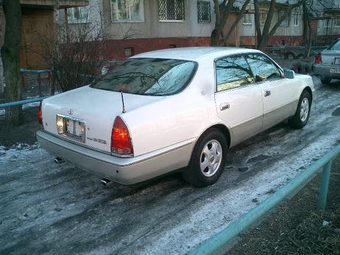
222, 238
21, 102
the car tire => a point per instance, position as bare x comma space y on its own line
301, 116
207, 160
325, 80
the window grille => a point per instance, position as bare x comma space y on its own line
127, 10
296, 19
263, 17
203, 11
171, 9
247, 19
78, 14
327, 23
336, 22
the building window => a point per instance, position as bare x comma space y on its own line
171, 10
263, 17
203, 11
336, 22
296, 19
327, 23
129, 52
127, 10
78, 14
285, 22
247, 19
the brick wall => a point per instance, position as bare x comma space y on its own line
121, 49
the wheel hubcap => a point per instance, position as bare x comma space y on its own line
211, 157
304, 110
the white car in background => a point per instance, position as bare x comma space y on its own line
172, 109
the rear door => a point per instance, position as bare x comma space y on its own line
239, 101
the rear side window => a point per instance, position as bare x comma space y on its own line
232, 72
263, 68
335, 45
157, 77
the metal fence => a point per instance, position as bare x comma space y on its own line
227, 235
22, 102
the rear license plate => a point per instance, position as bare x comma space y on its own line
336, 61
334, 70
71, 127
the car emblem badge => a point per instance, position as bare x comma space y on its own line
70, 112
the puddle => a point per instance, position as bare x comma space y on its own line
258, 158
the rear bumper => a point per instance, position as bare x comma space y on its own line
121, 170
327, 71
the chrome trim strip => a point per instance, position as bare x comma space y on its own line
135, 159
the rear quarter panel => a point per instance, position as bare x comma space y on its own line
178, 119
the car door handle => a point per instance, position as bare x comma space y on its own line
224, 106
267, 93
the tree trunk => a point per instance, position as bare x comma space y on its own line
240, 16
11, 60
1, 66
222, 13
307, 30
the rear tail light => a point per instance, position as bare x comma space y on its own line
121, 143
318, 59
40, 114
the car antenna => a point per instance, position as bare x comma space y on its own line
122, 96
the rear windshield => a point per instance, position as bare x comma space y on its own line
148, 77
335, 45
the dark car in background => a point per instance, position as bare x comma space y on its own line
327, 63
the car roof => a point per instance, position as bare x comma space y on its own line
195, 53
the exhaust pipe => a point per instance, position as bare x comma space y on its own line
105, 182
58, 160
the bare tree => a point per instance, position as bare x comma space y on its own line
11, 59
263, 34
222, 13
75, 53
270, 26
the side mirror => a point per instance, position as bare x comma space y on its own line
289, 74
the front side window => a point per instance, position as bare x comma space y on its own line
232, 72
127, 10
157, 77
203, 11
171, 10
78, 14
263, 68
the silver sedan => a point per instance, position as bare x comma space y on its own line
327, 63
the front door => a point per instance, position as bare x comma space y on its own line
239, 101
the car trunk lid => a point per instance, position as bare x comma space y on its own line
331, 57
86, 115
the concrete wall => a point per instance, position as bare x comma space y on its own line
152, 27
